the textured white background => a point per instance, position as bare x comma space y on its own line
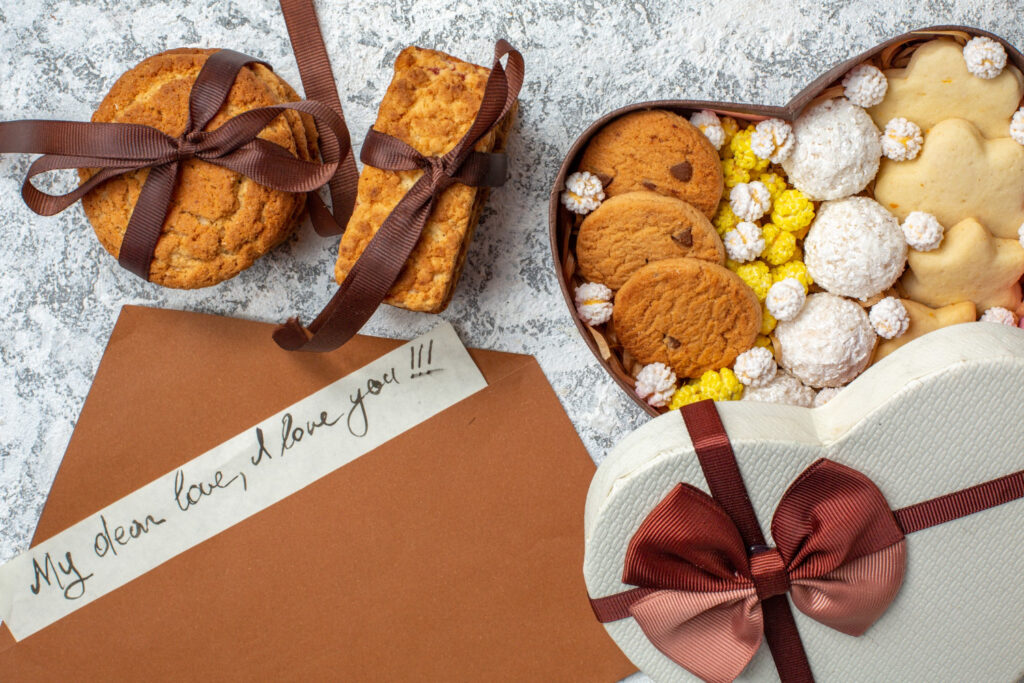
60, 292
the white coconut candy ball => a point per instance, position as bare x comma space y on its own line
594, 303
825, 395
902, 139
855, 248
828, 344
998, 314
836, 151
889, 317
922, 231
865, 85
785, 298
755, 367
783, 388
655, 383
583, 192
1017, 126
745, 242
750, 201
986, 58
772, 140
707, 122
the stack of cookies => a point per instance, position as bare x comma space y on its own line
724, 258
220, 221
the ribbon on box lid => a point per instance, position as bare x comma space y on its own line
709, 587
118, 148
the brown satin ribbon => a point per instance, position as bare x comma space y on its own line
840, 555
377, 268
318, 84
116, 148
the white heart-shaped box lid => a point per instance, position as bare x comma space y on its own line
940, 414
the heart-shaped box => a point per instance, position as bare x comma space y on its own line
563, 225
936, 416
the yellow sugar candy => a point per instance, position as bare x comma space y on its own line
730, 127
733, 174
780, 246
794, 269
757, 276
721, 386
775, 183
724, 220
742, 155
717, 386
685, 395
792, 211
768, 321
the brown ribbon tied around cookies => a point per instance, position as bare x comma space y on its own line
117, 148
377, 268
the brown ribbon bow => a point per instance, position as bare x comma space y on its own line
117, 148
377, 268
708, 585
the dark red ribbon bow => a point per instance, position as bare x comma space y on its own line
839, 553
117, 148
377, 268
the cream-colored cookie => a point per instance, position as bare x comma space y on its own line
959, 174
969, 265
924, 320
936, 85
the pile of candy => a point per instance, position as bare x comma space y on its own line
814, 219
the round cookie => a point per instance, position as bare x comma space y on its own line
219, 221
690, 314
659, 151
631, 230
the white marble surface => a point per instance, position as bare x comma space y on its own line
60, 292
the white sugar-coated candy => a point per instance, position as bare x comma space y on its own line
594, 303
755, 367
855, 248
836, 152
783, 388
655, 383
828, 344
865, 85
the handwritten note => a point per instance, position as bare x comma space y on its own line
237, 479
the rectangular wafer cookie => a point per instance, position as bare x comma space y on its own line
430, 104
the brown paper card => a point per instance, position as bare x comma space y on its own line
452, 552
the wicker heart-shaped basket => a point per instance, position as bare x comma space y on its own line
564, 226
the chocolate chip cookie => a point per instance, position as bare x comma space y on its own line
690, 314
631, 230
658, 151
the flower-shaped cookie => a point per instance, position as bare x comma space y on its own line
959, 174
969, 265
936, 85
923, 320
